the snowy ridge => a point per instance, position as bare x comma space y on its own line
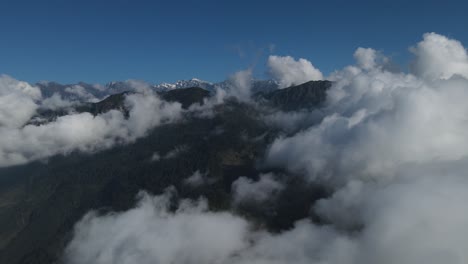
194, 82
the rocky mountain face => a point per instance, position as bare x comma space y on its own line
304, 96
41, 201
186, 96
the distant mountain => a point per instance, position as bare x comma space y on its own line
257, 85
185, 84
264, 86
78, 92
305, 96
130, 85
92, 92
186, 96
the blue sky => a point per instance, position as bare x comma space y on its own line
99, 41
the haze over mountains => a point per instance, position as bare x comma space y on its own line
368, 166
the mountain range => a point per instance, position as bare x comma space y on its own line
93, 92
41, 201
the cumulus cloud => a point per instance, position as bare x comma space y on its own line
400, 223
150, 233
17, 102
365, 57
411, 220
21, 143
72, 132
439, 57
288, 71
368, 59
375, 122
392, 147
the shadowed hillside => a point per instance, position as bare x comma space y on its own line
41, 201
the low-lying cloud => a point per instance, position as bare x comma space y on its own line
387, 224
17, 102
249, 191
21, 142
150, 233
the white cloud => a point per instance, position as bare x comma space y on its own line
365, 58
56, 101
288, 71
148, 110
84, 132
368, 58
412, 220
17, 102
374, 122
246, 190
405, 222
392, 146
81, 93
439, 57
151, 234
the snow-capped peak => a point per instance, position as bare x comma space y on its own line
194, 82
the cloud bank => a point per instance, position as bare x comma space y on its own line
150, 233
400, 223
21, 142
375, 121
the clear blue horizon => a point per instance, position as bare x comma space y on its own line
164, 41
